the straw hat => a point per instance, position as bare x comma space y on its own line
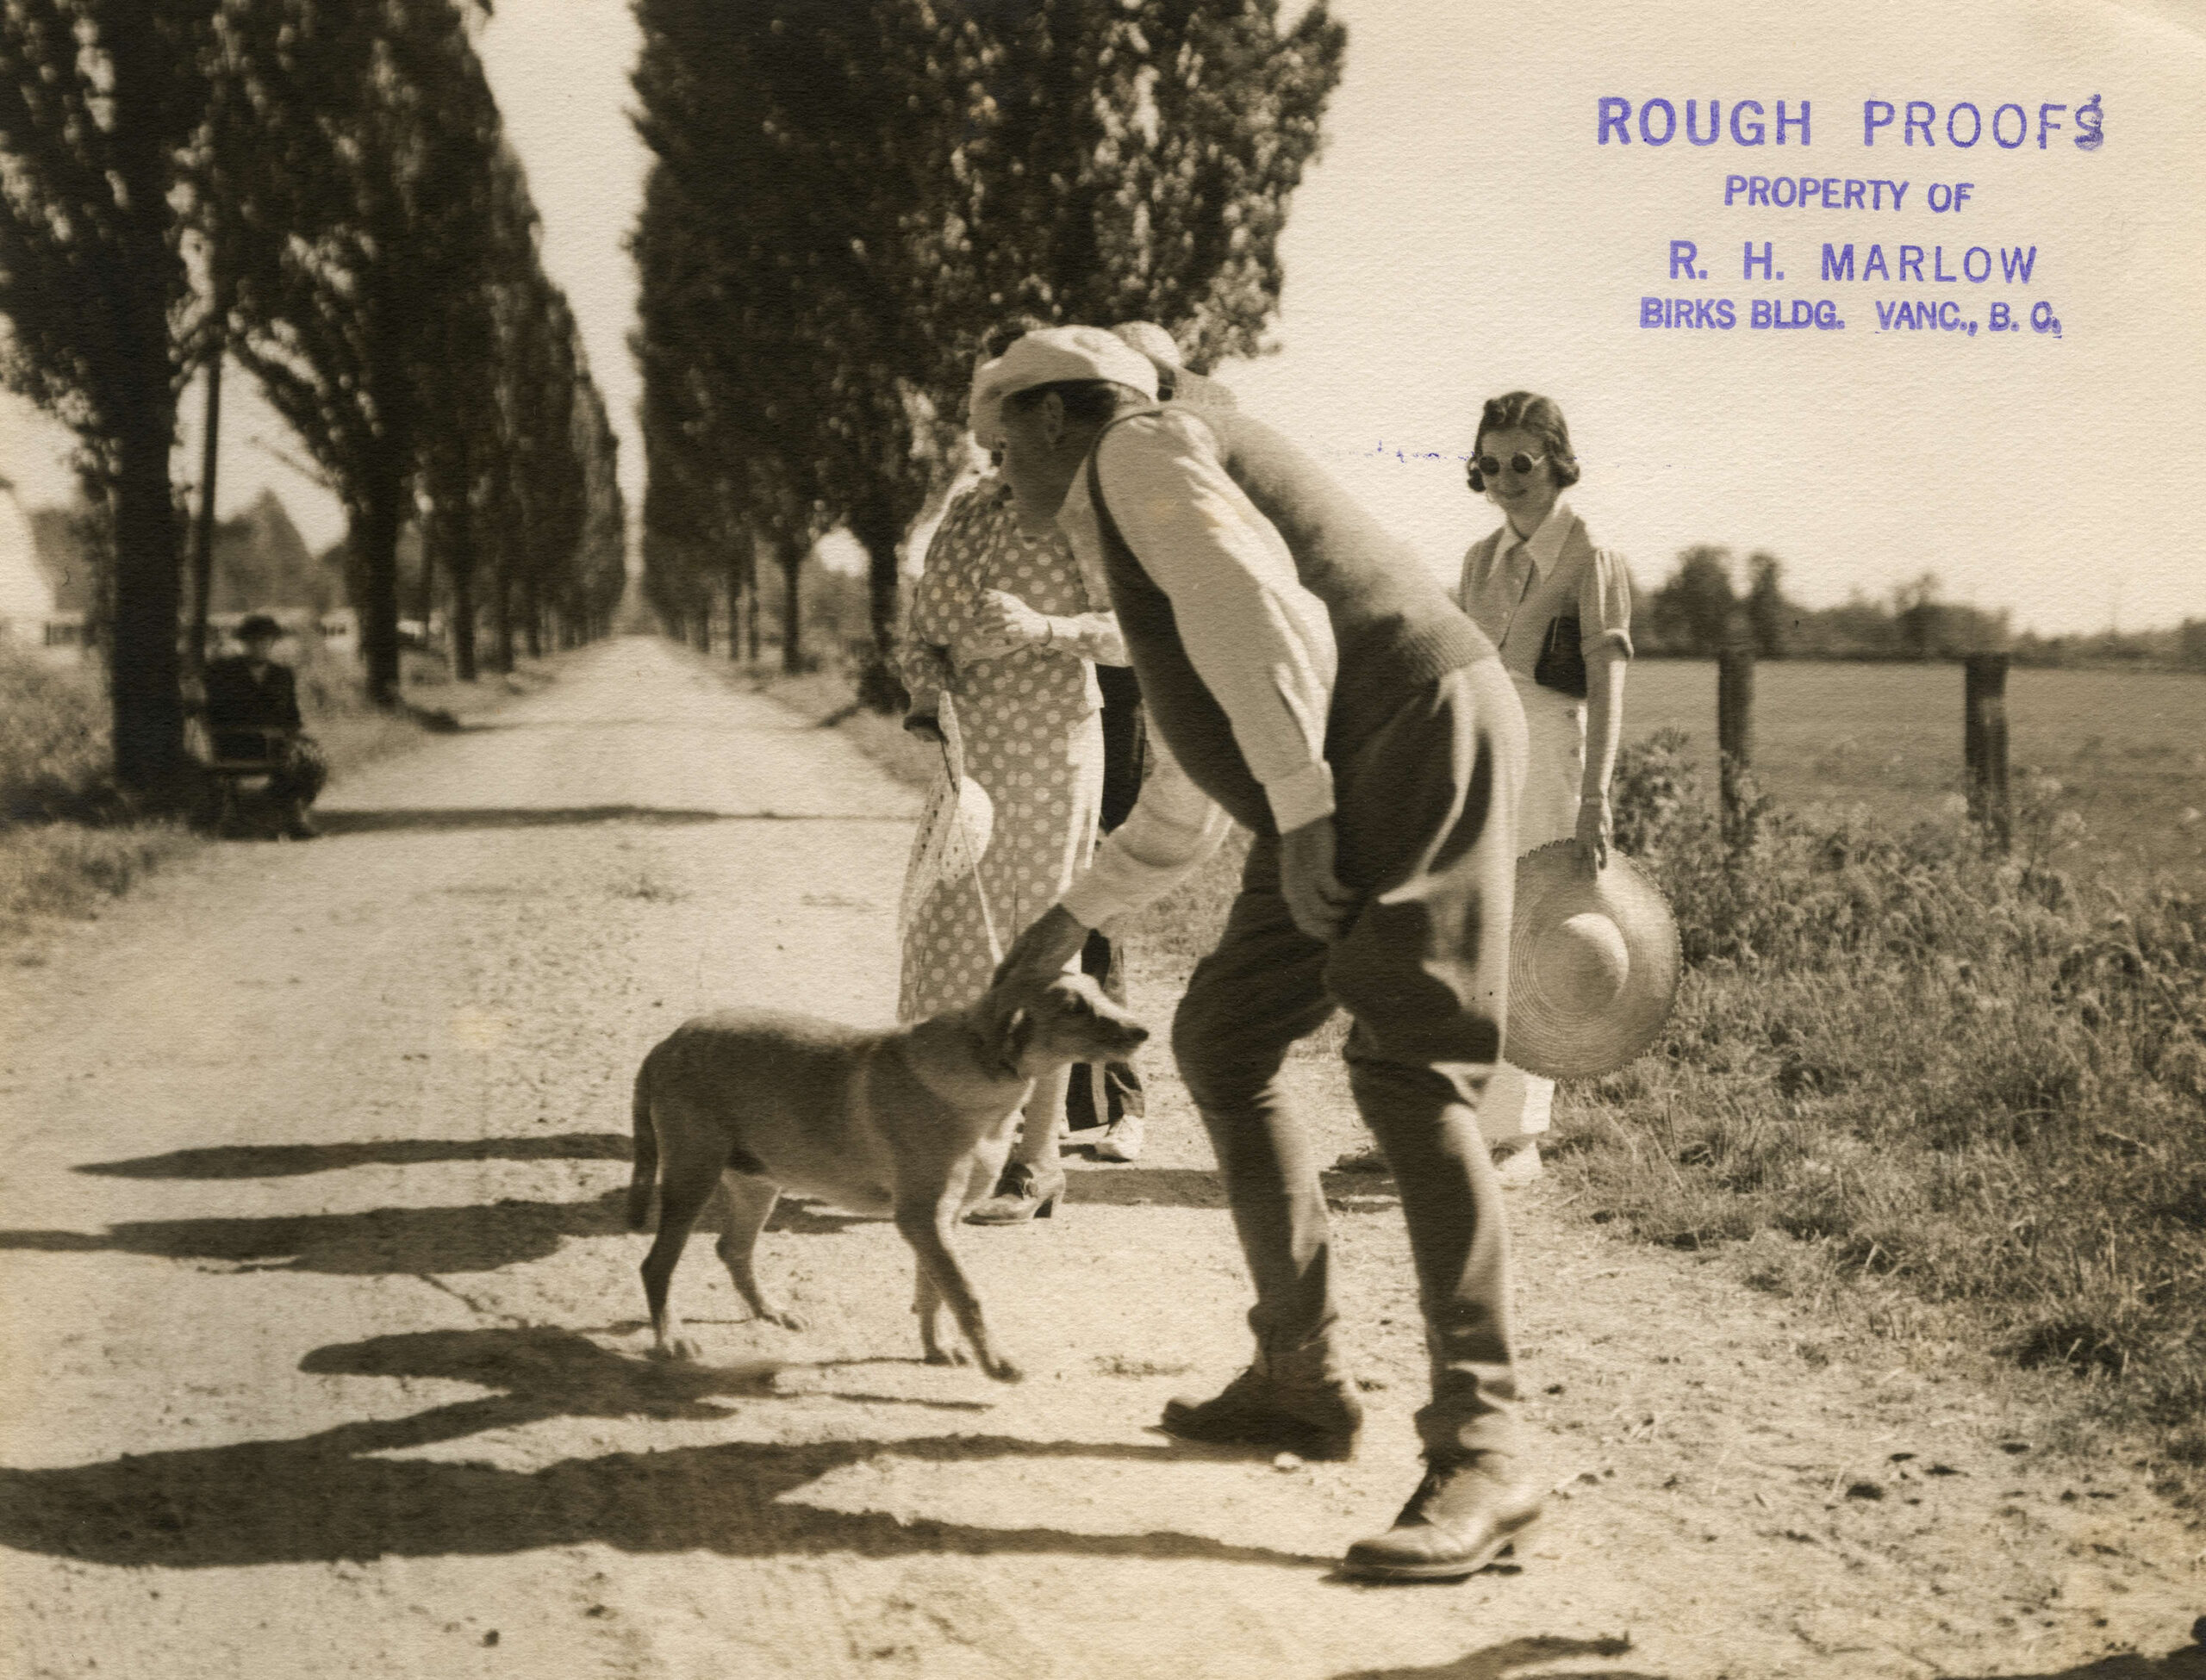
1593, 964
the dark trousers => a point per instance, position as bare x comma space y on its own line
1426, 830
1099, 1094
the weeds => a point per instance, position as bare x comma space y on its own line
1898, 1056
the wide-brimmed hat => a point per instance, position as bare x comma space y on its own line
1050, 356
257, 623
1593, 964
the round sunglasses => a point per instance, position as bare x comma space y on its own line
1520, 463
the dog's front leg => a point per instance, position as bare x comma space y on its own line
928, 1229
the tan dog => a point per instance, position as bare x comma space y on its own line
914, 1124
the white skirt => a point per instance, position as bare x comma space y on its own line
1518, 1104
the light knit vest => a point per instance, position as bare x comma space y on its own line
1395, 626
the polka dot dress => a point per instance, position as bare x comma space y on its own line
1033, 738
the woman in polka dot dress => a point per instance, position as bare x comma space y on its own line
1002, 622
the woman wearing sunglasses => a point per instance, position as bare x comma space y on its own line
1558, 608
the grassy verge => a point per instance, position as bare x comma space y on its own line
69, 843
1953, 1098
1955, 1095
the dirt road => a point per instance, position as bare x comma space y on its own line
321, 1349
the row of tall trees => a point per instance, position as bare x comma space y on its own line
846, 198
319, 191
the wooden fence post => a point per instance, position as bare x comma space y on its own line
1735, 735
1983, 743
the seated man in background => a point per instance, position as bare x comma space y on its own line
249, 695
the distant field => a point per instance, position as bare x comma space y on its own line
2128, 747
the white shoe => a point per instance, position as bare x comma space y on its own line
1520, 1166
1121, 1140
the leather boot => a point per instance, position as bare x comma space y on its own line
1466, 1513
1303, 1402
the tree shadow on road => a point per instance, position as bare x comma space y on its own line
324, 1497
481, 1237
399, 1240
449, 817
285, 1160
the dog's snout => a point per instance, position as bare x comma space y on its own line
1137, 1035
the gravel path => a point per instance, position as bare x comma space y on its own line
322, 1350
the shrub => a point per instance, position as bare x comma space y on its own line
53, 739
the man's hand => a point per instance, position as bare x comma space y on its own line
1043, 950
1005, 621
1321, 906
1594, 827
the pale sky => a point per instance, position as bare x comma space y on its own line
1465, 235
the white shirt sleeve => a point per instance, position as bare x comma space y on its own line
1261, 641
1172, 828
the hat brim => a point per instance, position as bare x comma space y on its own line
1560, 1036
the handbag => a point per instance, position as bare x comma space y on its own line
1561, 664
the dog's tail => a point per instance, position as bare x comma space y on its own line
646, 1173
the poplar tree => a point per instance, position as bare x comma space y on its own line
871, 188
102, 121
373, 131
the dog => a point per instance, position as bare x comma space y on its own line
914, 1123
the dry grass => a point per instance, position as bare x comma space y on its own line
1906, 1071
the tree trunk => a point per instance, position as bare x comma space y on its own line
202, 532
502, 619
375, 541
452, 525
147, 703
463, 622
876, 529
791, 559
137, 374
735, 571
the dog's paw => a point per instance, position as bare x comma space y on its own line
1001, 1369
947, 1356
680, 1351
787, 1321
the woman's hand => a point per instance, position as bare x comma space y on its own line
1595, 828
1004, 620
